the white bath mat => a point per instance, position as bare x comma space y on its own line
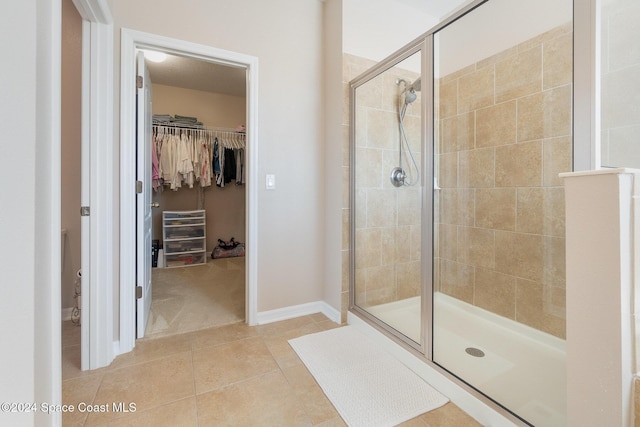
367, 386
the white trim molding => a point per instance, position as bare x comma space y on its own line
130, 41
96, 11
98, 246
294, 311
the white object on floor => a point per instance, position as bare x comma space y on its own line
367, 386
160, 263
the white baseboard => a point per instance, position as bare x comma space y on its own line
66, 313
329, 311
293, 311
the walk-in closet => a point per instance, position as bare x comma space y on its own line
198, 173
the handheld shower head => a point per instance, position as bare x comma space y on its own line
410, 91
410, 96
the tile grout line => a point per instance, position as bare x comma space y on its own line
193, 376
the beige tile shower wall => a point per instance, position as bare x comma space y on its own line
388, 218
505, 134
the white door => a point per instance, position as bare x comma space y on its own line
86, 250
143, 198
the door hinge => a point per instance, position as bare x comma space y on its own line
139, 187
138, 292
84, 211
139, 81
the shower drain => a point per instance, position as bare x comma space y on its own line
475, 352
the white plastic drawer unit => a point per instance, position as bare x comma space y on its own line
184, 245
180, 232
184, 260
184, 238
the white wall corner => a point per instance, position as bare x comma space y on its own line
331, 312
294, 311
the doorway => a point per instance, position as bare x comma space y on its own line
71, 148
200, 200
131, 42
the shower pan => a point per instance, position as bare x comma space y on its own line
456, 209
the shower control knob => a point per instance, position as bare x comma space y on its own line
398, 176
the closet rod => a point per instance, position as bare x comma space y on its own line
200, 128
230, 138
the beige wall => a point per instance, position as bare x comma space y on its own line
505, 134
334, 266
225, 206
290, 130
212, 109
620, 84
71, 147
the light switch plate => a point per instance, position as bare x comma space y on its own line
271, 182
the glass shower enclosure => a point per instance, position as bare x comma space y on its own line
456, 207
388, 177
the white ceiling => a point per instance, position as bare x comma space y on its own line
436, 8
191, 73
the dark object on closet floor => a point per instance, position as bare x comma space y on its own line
155, 248
228, 245
228, 249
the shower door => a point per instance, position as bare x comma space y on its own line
386, 205
503, 108
456, 207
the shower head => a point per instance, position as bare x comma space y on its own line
410, 96
410, 91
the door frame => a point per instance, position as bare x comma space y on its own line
130, 41
98, 165
144, 214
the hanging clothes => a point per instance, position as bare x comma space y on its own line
216, 157
230, 165
185, 162
205, 164
186, 156
239, 155
155, 174
220, 173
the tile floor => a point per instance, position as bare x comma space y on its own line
232, 375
